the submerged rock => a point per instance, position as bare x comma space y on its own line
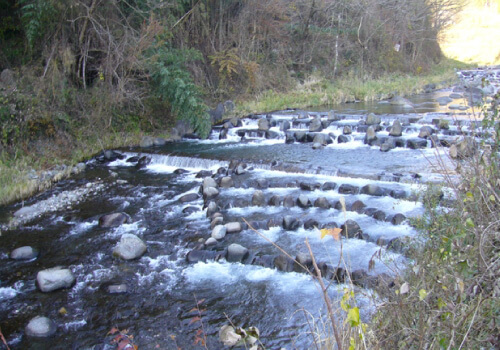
114, 220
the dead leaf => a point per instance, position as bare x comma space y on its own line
334, 232
405, 288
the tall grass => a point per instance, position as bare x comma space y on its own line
318, 91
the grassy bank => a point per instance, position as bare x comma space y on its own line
317, 91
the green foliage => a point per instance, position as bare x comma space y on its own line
172, 82
38, 17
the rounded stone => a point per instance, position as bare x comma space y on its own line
219, 232
236, 253
114, 219
130, 247
40, 327
55, 278
24, 253
233, 227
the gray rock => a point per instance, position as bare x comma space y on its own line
211, 208
285, 125
262, 183
226, 182
210, 242
373, 190
328, 186
464, 148
113, 220
456, 96
147, 141
219, 220
288, 201
317, 145
284, 263
303, 201
240, 170
371, 136
315, 125
55, 278
322, 202
358, 206
309, 186
347, 130
258, 198
332, 116
416, 143
236, 253
386, 146
195, 256
300, 136
425, 132
351, 229
130, 247
400, 101
25, 211
209, 182
342, 139
40, 327
311, 224
24, 253
275, 201
159, 141
219, 232
190, 197
396, 129
290, 223
233, 227
210, 193
263, 124
348, 189
372, 119
398, 219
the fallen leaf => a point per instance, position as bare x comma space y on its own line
334, 232
405, 288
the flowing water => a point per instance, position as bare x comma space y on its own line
163, 287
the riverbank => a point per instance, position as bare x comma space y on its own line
25, 171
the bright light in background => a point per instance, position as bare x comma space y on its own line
475, 35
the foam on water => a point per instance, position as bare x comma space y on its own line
82, 227
74, 325
7, 293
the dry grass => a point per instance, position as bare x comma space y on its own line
475, 36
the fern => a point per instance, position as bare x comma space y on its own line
38, 17
172, 82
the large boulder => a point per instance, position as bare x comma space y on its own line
315, 125
147, 141
24, 253
348, 189
258, 198
370, 136
372, 119
236, 253
396, 129
284, 263
130, 247
40, 327
113, 220
322, 202
263, 124
322, 139
55, 278
288, 201
373, 190
226, 182
416, 143
209, 182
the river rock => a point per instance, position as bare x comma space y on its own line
130, 247
386, 146
328, 186
416, 143
211, 209
146, 142
258, 199
373, 190
443, 124
190, 210
285, 125
272, 135
322, 139
159, 141
210, 193
288, 201
40, 327
396, 129
195, 256
219, 232
290, 223
322, 202
351, 229
370, 136
143, 162
347, 130
233, 227
240, 170
401, 101
372, 119
342, 139
310, 224
348, 189
263, 124
456, 96
303, 262
315, 125
443, 101
398, 219
262, 183
425, 132
209, 182
210, 242
358, 206
24, 253
219, 220
236, 253
303, 201
275, 201
284, 263
55, 278
114, 220
226, 182
190, 197
309, 186
300, 136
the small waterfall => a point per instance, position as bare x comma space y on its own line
187, 162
